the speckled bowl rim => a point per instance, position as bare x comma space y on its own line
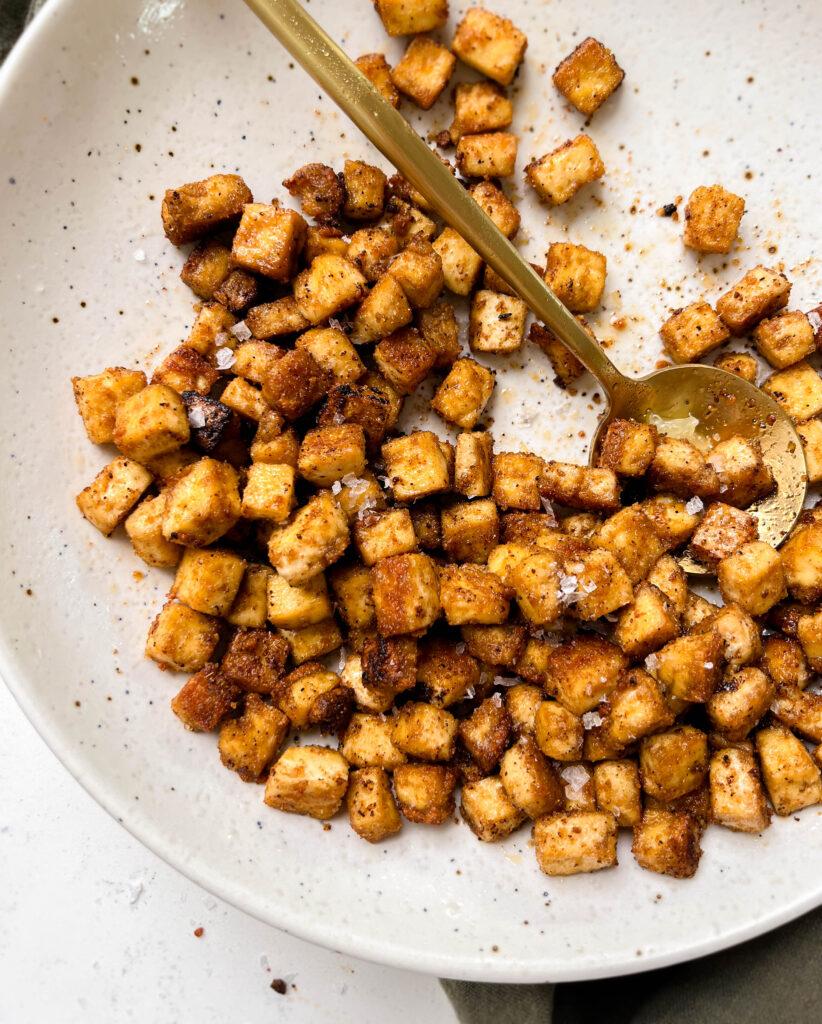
301, 925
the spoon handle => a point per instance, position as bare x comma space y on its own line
340, 78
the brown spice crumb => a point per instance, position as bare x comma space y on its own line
199, 932
279, 986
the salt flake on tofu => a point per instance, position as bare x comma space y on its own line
694, 506
241, 331
224, 358
576, 778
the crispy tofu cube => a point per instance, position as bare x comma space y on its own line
315, 538
366, 404
593, 490
383, 534
438, 326
240, 289
798, 390
491, 155
113, 493
588, 76
244, 399
558, 732
737, 799
404, 358
416, 466
690, 667
367, 743
202, 505
299, 691
680, 467
389, 667
738, 631
636, 708
409, 224
371, 250
255, 660
791, 778
480, 107
535, 580
354, 598
560, 174
628, 447
324, 239
618, 791
425, 732
564, 363
802, 562
712, 219
208, 581
213, 321
741, 364
667, 842
327, 454
784, 661
497, 322
406, 594
534, 660
809, 634
253, 359
785, 339
632, 538
473, 460
488, 810
647, 623
269, 241
490, 44
602, 585
722, 531
308, 780
274, 446
461, 265
249, 743
516, 480
425, 792
740, 702
408, 17
758, 294
671, 517
496, 204
742, 473
202, 207
576, 275
273, 319
810, 433
206, 268
181, 639
330, 284
529, 779
331, 712
269, 492
673, 763
364, 187
753, 578
333, 353
522, 701
295, 606
800, 711
472, 595
423, 71
568, 843
470, 530
99, 396
378, 72
372, 809
419, 269
464, 394
205, 699
150, 422
144, 528
690, 333
500, 646
250, 606
446, 673
384, 310
583, 671
486, 733
360, 496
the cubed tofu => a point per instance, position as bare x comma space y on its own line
628, 447
416, 466
269, 241
328, 454
583, 671
740, 702
535, 581
738, 631
602, 585
274, 446
785, 339
408, 17
405, 359
203, 504
324, 239
737, 798
471, 595
425, 792
384, 310
378, 72
560, 174
470, 530
206, 268
364, 187
679, 467
315, 538
798, 390
239, 290
274, 319
410, 224
486, 733
366, 404
558, 732
319, 190
202, 207
460, 264
250, 606
588, 76
712, 219
144, 527
367, 743
438, 326
419, 269
181, 639
722, 531
423, 71
564, 363
249, 743
533, 662
636, 708
741, 364
150, 422
568, 843
522, 701
333, 352
791, 778
496, 323
308, 780
425, 732
208, 581
671, 517
383, 534
298, 692
673, 763
618, 791
802, 562
473, 460
253, 359
480, 107
371, 251
576, 275
330, 284
269, 492
633, 539
205, 699
490, 155
784, 661
464, 394
647, 623
351, 585
593, 490
809, 634
516, 480
295, 606
244, 399
753, 578
529, 780
692, 332
99, 396
667, 842
372, 809
495, 204
254, 660
800, 711
810, 433
212, 322
388, 667
760, 293
406, 594
488, 810
500, 646
690, 667
490, 44
113, 493
743, 475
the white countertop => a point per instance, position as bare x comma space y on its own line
95, 928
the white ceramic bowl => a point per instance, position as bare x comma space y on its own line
104, 104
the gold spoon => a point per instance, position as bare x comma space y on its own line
722, 403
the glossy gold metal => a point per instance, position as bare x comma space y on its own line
722, 403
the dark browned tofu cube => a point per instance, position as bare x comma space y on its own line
404, 358
360, 404
205, 699
500, 646
295, 383
667, 842
207, 266
485, 734
565, 364
319, 190
186, 371
446, 672
202, 207
583, 671
255, 660
681, 468
249, 743
406, 594
673, 763
628, 447
588, 76
712, 219
784, 661
425, 792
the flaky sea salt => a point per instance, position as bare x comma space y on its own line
496, 700
548, 508
591, 719
225, 358
241, 331
460, 648
336, 487
505, 681
694, 505
576, 778
196, 418
140, 255
570, 591
652, 663
356, 485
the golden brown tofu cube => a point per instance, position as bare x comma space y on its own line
632, 538
490, 44
758, 294
460, 264
791, 778
249, 743
516, 480
741, 364
446, 672
722, 531
810, 433
740, 702
583, 671
785, 339
352, 590
253, 359
255, 660
673, 763
367, 404
99, 396
712, 219
690, 333
471, 595
206, 268
593, 490
438, 325
739, 634
800, 711
602, 586
272, 319
419, 269
473, 461
367, 743
250, 608
151, 422
324, 239
372, 809
181, 639
315, 538
560, 174
244, 399
330, 284
328, 454
690, 667
464, 394
213, 321
588, 76
208, 581
798, 390
423, 71
240, 289
802, 562
333, 352
784, 661
425, 732
558, 732
202, 207
574, 842
490, 155
753, 578
497, 322
488, 810
737, 799
406, 594
496, 204
389, 667
274, 446
416, 466
647, 623
203, 504
667, 842
501, 646
384, 310
636, 708
522, 701
742, 473
269, 241
576, 275
425, 792
404, 358
378, 72
205, 699
618, 791
371, 250
628, 447
269, 492
308, 780
470, 529
529, 779
536, 582
298, 692
409, 224
680, 467
383, 534
364, 187
486, 733
144, 528
113, 493
332, 710
480, 107
671, 517
408, 17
